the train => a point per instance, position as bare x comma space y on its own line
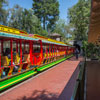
23, 55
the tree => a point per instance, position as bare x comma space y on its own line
79, 16
47, 11
15, 17
60, 27
64, 30
24, 19
3, 12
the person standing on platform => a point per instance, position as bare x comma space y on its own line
76, 53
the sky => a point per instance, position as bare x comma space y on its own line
64, 5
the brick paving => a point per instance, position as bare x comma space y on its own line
55, 84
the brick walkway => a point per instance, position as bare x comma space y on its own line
55, 84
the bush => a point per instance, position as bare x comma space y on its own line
92, 51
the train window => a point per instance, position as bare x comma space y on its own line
44, 48
49, 48
36, 47
6, 44
69, 48
53, 48
15, 47
14, 44
25, 47
6, 48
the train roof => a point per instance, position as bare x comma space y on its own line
6, 31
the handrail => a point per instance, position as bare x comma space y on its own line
75, 91
78, 93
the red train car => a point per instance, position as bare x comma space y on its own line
21, 52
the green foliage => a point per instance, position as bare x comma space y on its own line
91, 50
64, 30
60, 27
15, 17
79, 16
3, 12
47, 11
24, 19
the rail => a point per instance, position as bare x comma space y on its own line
78, 93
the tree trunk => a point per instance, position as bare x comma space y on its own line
44, 23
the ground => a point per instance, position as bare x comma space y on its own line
56, 83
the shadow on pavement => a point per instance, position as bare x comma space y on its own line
65, 95
41, 95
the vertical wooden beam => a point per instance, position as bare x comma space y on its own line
17, 46
56, 51
11, 47
67, 50
41, 47
0, 61
46, 51
20, 51
0, 55
1, 46
31, 49
24, 46
52, 50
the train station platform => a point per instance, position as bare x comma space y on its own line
56, 83
93, 80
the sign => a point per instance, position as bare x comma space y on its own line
11, 30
